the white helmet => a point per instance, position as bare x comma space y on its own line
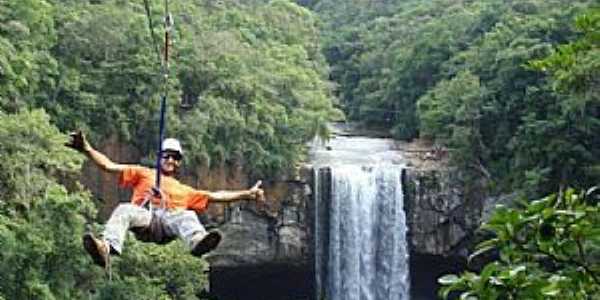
172, 144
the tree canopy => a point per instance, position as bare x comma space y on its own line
509, 88
546, 249
247, 84
42, 221
487, 80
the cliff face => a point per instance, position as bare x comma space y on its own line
441, 213
265, 251
270, 248
441, 216
256, 234
278, 248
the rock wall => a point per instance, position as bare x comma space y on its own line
442, 213
270, 248
265, 251
256, 234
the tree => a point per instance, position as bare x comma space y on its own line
42, 221
571, 123
256, 86
254, 60
247, 85
26, 66
547, 249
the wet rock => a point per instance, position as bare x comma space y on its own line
442, 213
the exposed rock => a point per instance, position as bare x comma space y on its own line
441, 214
265, 252
275, 233
273, 245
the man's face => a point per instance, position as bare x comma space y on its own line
170, 162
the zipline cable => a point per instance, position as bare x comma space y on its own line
164, 63
163, 104
151, 27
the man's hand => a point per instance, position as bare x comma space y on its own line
257, 193
157, 193
78, 141
253, 193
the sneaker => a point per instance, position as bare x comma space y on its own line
207, 244
98, 249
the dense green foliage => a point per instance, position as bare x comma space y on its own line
510, 88
551, 247
41, 225
571, 126
247, 85
247, 81
38, 218
463, 75
548, 249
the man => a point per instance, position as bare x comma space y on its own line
174, 204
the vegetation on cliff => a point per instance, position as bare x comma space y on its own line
247, 81
463, 74
248, 85
550, 248
509, 88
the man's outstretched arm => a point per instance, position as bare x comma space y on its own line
80, 143
254, 193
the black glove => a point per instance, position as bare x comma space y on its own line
77, 141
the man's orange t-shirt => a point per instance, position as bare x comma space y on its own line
179, 196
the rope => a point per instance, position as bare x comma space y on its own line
164, 62
161, 135
151, 27
163, 102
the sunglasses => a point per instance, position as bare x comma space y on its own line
175, 156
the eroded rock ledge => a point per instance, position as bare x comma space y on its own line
441, 216
442, 213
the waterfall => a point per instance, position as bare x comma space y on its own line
360, 233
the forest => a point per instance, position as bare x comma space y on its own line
247, 85
510, 88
